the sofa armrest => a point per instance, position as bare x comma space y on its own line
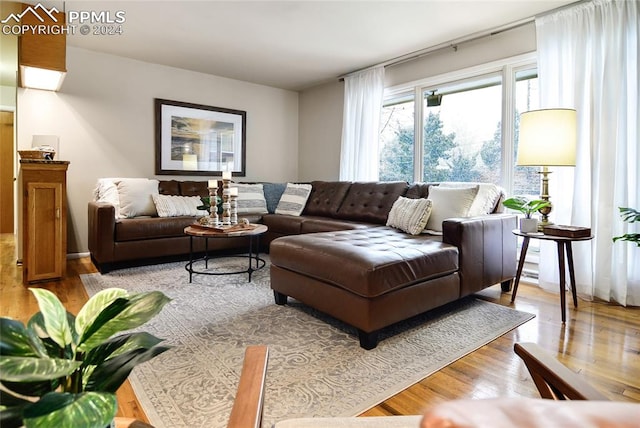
102, 226
487, 249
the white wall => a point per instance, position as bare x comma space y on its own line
321, 132
321, 107
104, 115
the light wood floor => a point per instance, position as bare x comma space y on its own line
600, 341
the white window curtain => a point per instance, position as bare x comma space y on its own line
363, 94
588, 59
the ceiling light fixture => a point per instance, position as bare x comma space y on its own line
42, 55
41, 78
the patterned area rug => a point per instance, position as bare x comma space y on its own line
316, 366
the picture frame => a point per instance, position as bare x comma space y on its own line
195, 139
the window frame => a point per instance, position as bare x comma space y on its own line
507, 68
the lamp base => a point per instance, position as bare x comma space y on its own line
542, 223
544, 212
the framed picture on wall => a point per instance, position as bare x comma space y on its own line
194, 139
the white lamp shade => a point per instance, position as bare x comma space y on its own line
547, 138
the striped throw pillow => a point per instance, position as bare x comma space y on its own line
174, 206
294, 199
251, 199
409, 215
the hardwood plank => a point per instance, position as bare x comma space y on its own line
600, 341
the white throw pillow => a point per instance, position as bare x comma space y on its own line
486, 199
449, 203
294, 199
135, 197
106, 191
251, 199
409, 215
174, 206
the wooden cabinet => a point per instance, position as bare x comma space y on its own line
44, 224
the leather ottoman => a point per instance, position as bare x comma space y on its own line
369, 278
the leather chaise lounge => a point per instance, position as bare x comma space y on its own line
371, 276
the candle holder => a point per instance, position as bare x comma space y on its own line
213, 206
234, 208
226, 205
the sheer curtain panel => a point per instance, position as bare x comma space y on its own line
588, 58
363, 94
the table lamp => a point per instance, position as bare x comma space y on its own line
547, 138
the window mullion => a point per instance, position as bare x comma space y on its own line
418, 131
508, 127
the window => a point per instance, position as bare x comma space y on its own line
397, 139
470, 135
526, 180
462, 135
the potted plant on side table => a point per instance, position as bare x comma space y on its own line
62, 370
527, 207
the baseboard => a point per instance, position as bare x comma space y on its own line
71, 256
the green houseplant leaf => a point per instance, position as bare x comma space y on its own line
112, 373
119, 345
55, 316
139, 309
629, 215
28, 369
95, 305
17, 340
524, 205
37, 326
31, 389
87, 409
11, 417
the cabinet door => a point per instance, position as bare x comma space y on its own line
44, 247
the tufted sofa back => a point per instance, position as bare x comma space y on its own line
326, 197
371, 201
183, 188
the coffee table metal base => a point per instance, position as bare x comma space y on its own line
254, 261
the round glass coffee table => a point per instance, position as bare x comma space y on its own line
253, 237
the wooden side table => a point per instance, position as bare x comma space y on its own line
563, 243
44, 214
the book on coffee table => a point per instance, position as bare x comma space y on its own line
567, 231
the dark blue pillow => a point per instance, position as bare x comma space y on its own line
272, 194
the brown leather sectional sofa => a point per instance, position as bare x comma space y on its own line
338, 256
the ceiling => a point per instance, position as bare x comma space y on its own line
290, 44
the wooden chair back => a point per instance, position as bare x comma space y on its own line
554, 380
249, 401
